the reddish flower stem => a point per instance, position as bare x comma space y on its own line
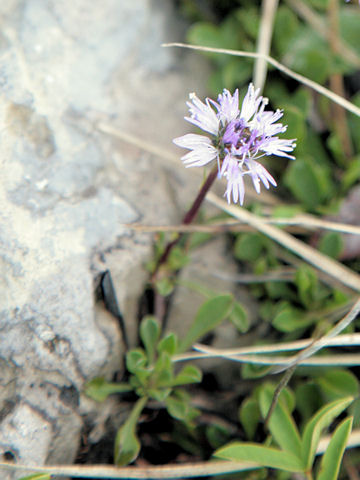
188, 218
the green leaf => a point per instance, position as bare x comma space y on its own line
168, 344
281, 424
163, 363
260, 455
352, 174
309, 182
163, 375
209, 316
335, 146
249, 415
127, 445
136, 360
307, 282
165, 378
309, 55
189, 374
316, 424
302, 99
249, 20
331, 460
202, 33
235, 72
279, 290
159, 395
163, 371
338, 383
286, 211
314, 152
248, 246
149, 334
331, 243
37, 476
286, 396
349, 26
296, 122
179, 407
176, 407
216, 435
209, 35
249, 370
199, 238
239, 318
99, 389
308, 399
177, 258
290, 319
301, 179
285, 28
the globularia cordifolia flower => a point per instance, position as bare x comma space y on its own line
236, 139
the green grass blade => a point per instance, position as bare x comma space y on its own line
331, 460
281, 424
316, 424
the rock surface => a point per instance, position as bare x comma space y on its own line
66, 190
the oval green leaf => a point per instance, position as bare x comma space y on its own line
239, 318
249, 416
149, 334
168, 344
189, 374
99, 389
261, 456
338, 383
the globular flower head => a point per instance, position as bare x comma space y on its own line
237, 137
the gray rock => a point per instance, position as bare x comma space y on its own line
66, 191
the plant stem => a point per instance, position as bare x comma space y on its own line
188, 218
283, 382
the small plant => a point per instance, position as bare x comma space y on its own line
153, 374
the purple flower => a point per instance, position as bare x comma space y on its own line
202, 115
239, 137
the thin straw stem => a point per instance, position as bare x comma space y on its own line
296, 76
